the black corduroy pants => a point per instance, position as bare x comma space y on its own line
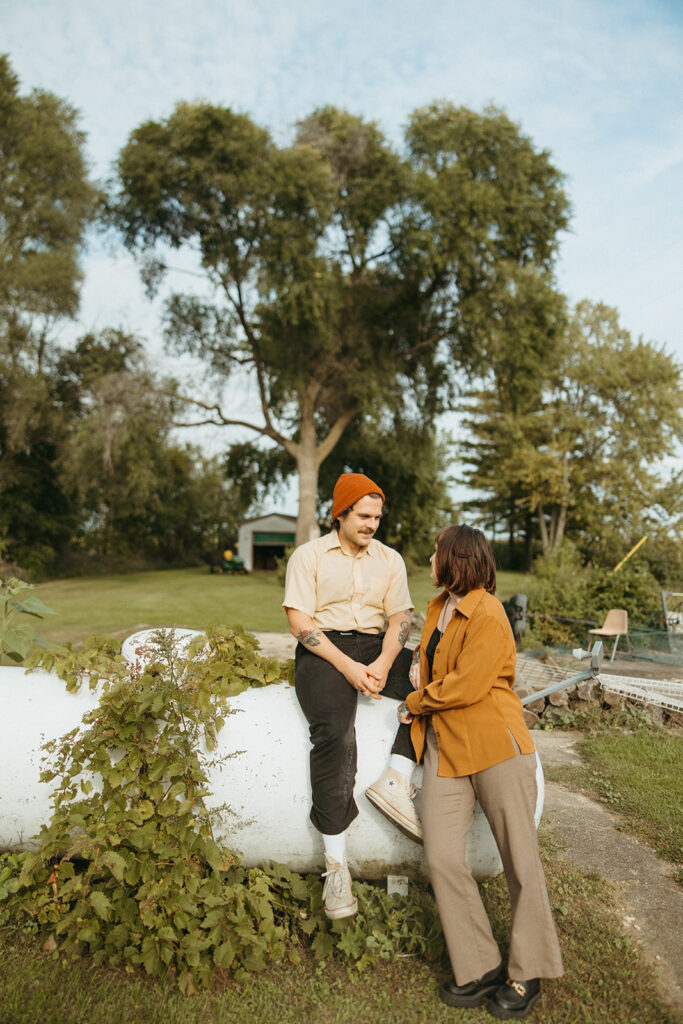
329, 703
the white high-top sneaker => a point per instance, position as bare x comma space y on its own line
338, 900
393, 796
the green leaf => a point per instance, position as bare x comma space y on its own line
150, 956
116, 864
16, 641
214, 856
186, 984
323, 945
224, 955
101, 903
32, 605
158, 769
118, 935
149, 728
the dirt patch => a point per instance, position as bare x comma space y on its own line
642, 667
276, 645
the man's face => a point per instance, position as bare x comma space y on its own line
359, 525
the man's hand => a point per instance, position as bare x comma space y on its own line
379, 670
362, 679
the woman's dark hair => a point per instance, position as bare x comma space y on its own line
464, 560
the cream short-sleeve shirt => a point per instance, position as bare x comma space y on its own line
342, 591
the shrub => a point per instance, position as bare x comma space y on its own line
17, 636
560, 586
566, 596
128, 871
281, 564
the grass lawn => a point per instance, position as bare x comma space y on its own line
178, 597
186, 597
640, 775
607, 980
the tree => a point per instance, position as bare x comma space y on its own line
136, 491
530, 328
588, 456
46, 202
349, 280
411, 465
37, 516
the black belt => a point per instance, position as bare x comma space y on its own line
349, 632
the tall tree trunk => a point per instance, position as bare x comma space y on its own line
308, 463
309, 455
543, 528
511, 538
528, 543
560, 526
561, 522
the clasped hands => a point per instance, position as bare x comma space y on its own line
369, 680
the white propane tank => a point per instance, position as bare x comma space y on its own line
259, 775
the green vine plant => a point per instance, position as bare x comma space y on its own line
17, 636
128, 871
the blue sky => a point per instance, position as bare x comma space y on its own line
599, 83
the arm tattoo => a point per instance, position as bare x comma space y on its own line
416, 656
403, 631
309, 637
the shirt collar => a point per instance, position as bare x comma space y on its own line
331, 540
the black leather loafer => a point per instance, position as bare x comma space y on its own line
474, 993
514, 999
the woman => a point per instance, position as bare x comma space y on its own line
467, 723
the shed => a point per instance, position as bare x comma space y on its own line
264, 538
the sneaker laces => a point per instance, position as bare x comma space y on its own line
335, 878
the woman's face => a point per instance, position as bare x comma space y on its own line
432, 560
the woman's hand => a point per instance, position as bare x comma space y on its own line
414, 673
404, 716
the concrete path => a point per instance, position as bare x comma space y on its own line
649, 900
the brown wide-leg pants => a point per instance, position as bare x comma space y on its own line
507, 794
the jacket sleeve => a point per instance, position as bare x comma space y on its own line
480, 663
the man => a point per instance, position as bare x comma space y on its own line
339, 591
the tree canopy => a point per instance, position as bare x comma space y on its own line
350, 280
88, 468
46, 202
586, 452
360, 289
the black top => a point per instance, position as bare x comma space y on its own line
431, 648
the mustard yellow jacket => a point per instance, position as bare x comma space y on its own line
470, 698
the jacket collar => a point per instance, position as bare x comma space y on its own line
466, 605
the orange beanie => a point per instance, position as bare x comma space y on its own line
350, 488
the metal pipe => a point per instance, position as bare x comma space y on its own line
596, 655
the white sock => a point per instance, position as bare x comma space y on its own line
335, 846
402, 765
